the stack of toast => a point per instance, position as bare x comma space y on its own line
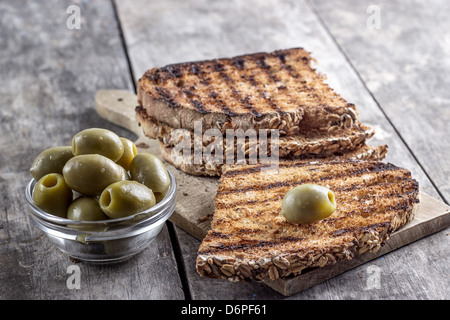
278, 91
317, 138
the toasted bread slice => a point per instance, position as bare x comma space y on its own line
250, 238
313, 142
277, 90
214, 169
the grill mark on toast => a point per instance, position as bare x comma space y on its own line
296, 79
223, 106
366, 212
342, 174
251, 169
250, 244
281, 68
239, 63
291, 182
356, 186
174, 71
166, 97
284, 66
241, 232
262, 93
236, 94
292, 72
198, 87
212, 98
261, 87
274, 78
198, 106
204, 85
248, 73
216, 70
357, 229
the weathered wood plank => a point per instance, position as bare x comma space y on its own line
401, 51
49, 77
159, 33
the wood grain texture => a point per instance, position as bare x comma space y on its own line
404, 64
50, 75
160, 33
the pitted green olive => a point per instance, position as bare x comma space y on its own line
308, 203
125, 198
51, 160
85, 209
52, 194
98, 141
149, 170
90, 174
129, 152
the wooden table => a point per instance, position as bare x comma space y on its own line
391, 59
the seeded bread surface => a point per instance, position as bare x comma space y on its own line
250, 239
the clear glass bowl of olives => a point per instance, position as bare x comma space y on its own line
98, 202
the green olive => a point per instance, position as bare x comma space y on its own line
90, 174
125, 173
51, 160
85, 209
52, 194
98, 141
149, 170
129, 152
308, 203
125, 198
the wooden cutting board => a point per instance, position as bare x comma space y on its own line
195, 205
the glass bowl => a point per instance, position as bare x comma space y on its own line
106, 241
